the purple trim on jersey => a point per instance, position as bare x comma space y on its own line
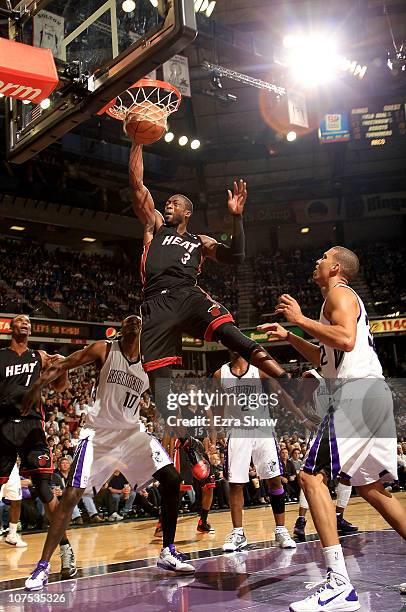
311, 459
77, 476
334, 456
277, 453
226, 470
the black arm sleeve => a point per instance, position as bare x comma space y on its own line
235, 253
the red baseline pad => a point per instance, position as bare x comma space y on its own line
26, 72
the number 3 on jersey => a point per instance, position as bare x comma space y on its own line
185, 258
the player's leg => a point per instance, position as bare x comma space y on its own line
238, 458
386, 504
207, 490
300, 525
344, 489
265, 456
60, 515
11, 490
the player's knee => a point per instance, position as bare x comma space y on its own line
235, 340
277, 500
42, 483
71, 496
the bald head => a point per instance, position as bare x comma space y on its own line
349, 262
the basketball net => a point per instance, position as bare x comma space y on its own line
148, 99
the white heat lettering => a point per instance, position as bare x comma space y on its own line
25, 368
186, 244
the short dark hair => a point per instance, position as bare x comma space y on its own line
188, 203
348, 261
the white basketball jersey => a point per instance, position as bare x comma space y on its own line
121, 384
362, 361
247, 389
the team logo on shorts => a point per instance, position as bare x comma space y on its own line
157, 457
214, 310
272, 466
43, 460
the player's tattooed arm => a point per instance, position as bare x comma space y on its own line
96, 352
143, 204
61, 383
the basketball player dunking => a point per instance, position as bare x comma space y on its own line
173, 302
238, 378
22, 432
112, 439
357, 437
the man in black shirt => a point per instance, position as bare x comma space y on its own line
24, 434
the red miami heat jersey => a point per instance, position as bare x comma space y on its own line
170, 261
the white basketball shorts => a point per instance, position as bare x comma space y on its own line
11, 490
138, 455
357, 438
241, 447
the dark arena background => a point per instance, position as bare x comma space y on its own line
305, 101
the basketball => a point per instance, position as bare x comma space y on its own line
146, 123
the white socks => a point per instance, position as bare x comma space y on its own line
12, 529
303, 501
334, 558
239, 530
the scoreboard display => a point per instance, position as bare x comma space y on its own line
377, 125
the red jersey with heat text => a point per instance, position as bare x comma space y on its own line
170, 261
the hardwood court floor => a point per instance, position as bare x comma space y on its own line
117, 542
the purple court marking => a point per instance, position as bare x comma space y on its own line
259, 580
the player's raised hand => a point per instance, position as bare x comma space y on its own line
236, 200
274, 330
31, 401
289, 308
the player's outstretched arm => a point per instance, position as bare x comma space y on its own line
235, 253
143, 204
341, 309
56, 369
307, 349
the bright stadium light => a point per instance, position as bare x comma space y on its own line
154, 3
169, 136
183, 140
128, 6
46, 103
313, 60
291, 136
195, 144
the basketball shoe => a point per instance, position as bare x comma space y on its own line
39, 577
235, 541
172, 560
14, 539
336, 594
68, 562
283, 539
205, 527
344, 527
299, 529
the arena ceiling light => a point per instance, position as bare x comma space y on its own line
88, 239
169, 136
46, 103
128, 6
313, 60
305, 230
291, 136
154, 3
183, 140
205, 6
17, 228
195, 144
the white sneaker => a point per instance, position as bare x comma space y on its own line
235, 541
39, 577
171, 559
115, 517
15, 540
283, 539
335, 593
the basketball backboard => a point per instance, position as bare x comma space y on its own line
100, 49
